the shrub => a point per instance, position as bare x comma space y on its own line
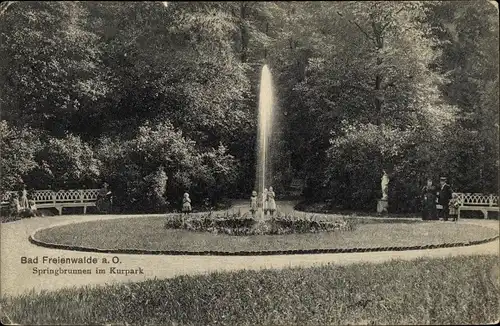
65, 163
18, 147
151, 171
237, 224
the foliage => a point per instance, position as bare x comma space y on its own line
361, 86
18, 154
65, 163
245, 225
160, 163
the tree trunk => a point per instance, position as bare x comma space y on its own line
244, 37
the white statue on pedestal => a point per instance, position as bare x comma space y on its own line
385, 186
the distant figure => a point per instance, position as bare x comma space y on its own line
385, 185
444, 198
103, 202
253, 203
429, 201
264, 201
271, 203
186, 204
453, 206
15, 208
33, 208
24, 199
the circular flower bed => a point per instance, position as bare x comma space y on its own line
246, 225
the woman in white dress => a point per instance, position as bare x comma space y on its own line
271, 203
24, 199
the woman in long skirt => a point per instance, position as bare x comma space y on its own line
270, 201
429, 195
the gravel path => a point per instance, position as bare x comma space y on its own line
17, 277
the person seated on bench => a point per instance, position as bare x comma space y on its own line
14, 205
103, 202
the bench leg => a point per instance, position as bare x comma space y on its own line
84, 210
59, 209
485, 213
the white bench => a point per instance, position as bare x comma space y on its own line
296, 187
59, 199
477, 202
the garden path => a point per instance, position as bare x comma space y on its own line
17, 278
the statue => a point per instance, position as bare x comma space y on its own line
24, 199
385, 185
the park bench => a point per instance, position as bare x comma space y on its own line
477, 202
59, 199
296, 187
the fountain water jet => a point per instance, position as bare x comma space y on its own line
265, 127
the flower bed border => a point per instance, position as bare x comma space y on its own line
134, 251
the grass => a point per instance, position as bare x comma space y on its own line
148, 232
454, 290
326, 208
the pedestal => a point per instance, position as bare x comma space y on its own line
382, 206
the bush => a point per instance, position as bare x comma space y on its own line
65, 163
237, 224
150, 172
19, 147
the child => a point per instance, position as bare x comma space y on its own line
253, 203
33, 208
186, 204
454, 207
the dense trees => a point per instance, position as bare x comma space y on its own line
160, 99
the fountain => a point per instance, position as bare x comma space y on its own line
265, 126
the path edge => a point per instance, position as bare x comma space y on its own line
32, 239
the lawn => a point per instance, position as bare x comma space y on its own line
148, 233
455, 290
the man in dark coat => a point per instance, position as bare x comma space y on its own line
445, 194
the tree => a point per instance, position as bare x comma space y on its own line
50, 65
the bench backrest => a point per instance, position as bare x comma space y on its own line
476, 199
297, 184
61, 196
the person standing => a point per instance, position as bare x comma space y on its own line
186, 204
271, 202
429, 201
103, 202
24, 199
444, 199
